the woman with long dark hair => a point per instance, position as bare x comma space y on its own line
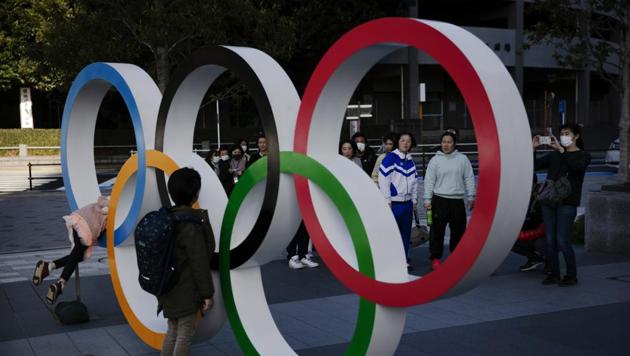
348, 149
567, 160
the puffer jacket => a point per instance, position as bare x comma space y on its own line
89, 222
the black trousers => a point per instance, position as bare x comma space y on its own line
534, 250
70, 262
451, 212
299, 245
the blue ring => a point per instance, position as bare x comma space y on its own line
105, 72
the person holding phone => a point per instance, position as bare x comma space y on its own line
567, 159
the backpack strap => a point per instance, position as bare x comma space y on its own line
182, 217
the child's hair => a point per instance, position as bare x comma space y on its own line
183, 186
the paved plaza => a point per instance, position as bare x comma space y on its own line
509, 313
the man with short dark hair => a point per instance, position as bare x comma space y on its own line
262, 150
194, 247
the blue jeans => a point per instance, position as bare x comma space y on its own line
403, 213
559, 230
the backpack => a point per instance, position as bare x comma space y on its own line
155, 250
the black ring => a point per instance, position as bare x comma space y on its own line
226, 58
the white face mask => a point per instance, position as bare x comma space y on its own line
361, 146
216, 159
566, 141
244, 147
225, 157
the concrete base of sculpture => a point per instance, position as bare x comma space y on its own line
607, 222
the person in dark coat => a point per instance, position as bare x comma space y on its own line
194, 249
364, 152
261, 142
569, 161
225, 177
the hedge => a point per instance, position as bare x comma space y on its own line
30, 137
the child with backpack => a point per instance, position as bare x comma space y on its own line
193, 251
85, 226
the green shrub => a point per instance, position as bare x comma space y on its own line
30, 137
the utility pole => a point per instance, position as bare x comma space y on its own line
411, 97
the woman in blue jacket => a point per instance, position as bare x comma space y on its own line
397, 180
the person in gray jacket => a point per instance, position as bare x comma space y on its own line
449, 179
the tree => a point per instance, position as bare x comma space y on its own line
46, 42
593, 34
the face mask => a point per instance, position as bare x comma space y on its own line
225, 157
236, 157
244, 147
216, 159
361, 146
565, 141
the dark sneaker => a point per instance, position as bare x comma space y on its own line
530, 265
568, 281
41, 272
551, 279
54, 291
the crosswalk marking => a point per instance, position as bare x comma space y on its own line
17, 182
19, 266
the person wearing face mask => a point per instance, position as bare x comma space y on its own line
567, 160
449, 179
223, 172
390, 143
238, 163
364, 152
262, 150
245, 147
397, 180
348, 149
213, 160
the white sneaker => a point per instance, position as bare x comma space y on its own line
306, 261
294, 263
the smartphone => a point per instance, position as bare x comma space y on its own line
544, 140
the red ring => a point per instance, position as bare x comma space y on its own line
428, 39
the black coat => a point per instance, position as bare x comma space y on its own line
193, 252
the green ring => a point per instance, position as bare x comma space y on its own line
296, 163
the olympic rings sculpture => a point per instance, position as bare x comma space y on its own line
347, 218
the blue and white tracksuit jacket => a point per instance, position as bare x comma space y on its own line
397, 178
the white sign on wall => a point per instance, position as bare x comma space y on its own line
26, 113
422, 89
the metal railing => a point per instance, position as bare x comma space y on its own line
426, 152
30, 172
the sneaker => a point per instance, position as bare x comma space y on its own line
54, 291
306, 261
530, 265
41, 272
435, 264
551, 279
294, 263
567, 281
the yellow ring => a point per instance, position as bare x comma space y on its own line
155, 159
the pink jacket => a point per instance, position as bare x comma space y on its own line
89, 222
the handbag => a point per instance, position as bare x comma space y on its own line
553, 192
